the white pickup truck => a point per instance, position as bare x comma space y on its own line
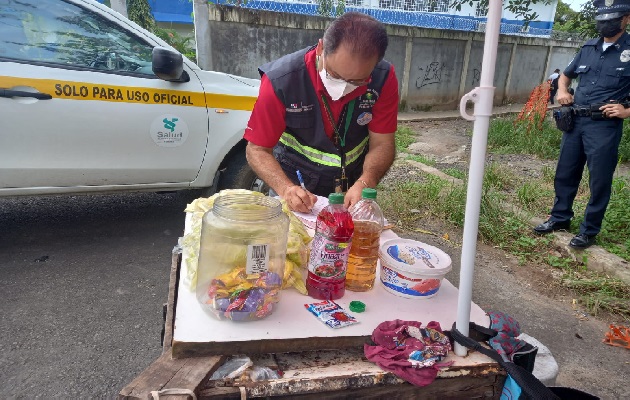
91, 102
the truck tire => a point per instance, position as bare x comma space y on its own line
239, 175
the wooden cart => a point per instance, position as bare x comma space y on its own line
314, 374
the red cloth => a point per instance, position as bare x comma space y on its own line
395, 348
266, 123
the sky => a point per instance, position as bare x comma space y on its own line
575, 4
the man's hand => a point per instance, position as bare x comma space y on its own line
267, 168
378, 159
615, 111
564, 97
299, 199
353, 195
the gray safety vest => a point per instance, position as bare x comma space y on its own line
304, 144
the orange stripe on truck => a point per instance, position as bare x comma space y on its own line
129, 94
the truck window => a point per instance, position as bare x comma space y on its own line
61, 34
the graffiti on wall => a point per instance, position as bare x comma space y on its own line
476, 76
432, 74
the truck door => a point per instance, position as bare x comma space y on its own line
81, 106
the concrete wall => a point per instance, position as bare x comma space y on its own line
434, 67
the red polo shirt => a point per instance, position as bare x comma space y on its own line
267, 123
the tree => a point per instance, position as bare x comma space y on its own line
331, 8
584, 21
563, 18
139, 12
520, 8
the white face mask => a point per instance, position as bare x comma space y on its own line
336, 88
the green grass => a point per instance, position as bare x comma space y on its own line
404, 138
615, 233
507, 138
407, 203
421, 158
536, 195
504, 137
499, 177
456, 173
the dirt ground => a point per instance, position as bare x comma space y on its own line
530, 293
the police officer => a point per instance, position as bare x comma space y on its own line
329, 111
602, 67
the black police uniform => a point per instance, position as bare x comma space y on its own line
603, 76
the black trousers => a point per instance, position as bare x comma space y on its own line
596, 144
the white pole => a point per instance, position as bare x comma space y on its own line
482, 96
201, 19
120, 6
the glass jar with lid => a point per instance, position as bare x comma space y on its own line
241, 257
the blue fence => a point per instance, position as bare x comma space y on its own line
181, 11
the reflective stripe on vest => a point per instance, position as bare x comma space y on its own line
354, 154
320, 157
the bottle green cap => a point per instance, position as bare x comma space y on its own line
335, 198
357, 306
368, 193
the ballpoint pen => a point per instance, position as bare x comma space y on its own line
299, 175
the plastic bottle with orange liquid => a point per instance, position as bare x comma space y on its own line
368, 224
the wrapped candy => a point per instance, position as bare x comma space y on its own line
241, 297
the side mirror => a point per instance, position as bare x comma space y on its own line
168, 65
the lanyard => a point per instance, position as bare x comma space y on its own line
338, 138
341, 185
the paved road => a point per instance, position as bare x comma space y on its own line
83, 280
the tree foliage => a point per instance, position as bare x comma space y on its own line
584, 21
563, 18
139, 12
520, 8
331, 8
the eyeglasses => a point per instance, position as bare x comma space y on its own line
333, 76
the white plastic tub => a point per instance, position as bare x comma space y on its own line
412, 269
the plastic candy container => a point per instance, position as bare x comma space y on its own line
242, 257
412, 269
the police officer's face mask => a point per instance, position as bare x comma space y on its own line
609, 28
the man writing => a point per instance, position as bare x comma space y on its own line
603, 69
329, 111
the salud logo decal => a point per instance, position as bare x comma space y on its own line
170, 124
169, 131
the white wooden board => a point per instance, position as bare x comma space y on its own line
290, 319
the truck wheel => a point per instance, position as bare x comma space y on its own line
239, 175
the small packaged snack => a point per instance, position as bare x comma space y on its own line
331, 314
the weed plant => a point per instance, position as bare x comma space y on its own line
506, 138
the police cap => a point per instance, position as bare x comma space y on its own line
611, 9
